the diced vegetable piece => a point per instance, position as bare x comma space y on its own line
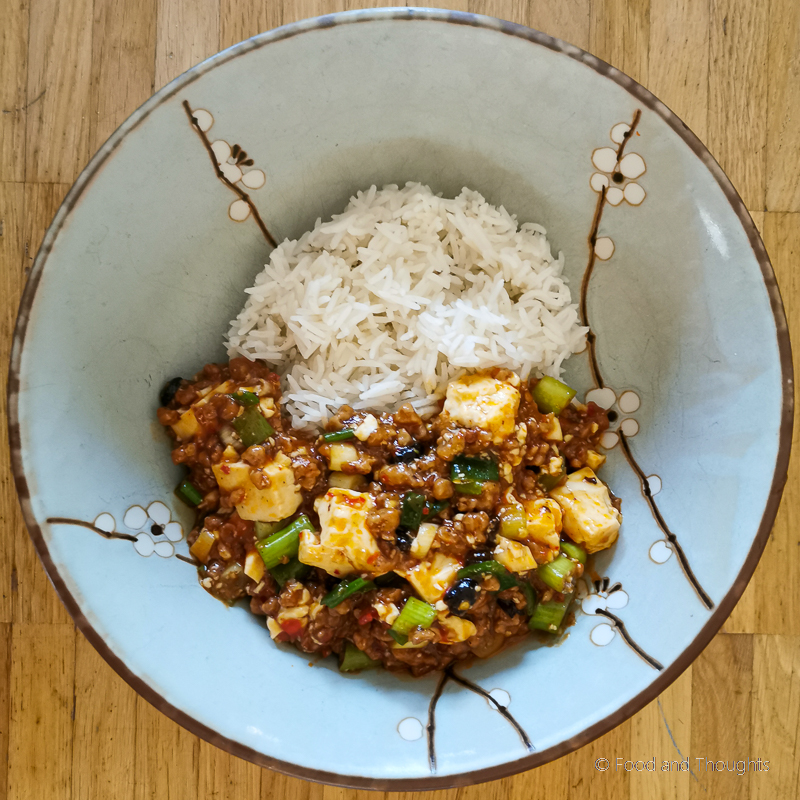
506, 579
573, 551
549, 616
203, 544
548, 482
254, 566
434, 507
411, 510
187, 492
339, 436
415, 613
469, 487
341, 455
354, 660
252, 427
514, 522
345, 589
283, 543
293, 569
470, 468
552, 396
246, 398
264, 529
341, 480
558, 573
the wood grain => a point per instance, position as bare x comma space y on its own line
70, 72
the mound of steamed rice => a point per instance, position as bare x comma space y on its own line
400, 293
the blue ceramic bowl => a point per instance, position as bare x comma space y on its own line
146, 262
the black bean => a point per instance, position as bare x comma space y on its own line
407, 453
167, 394
403, 539
463, 592
508, 607
476, 556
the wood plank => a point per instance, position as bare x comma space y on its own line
512, 10
783, 102
586, 781
776, 717
59, 91
565, 19
12, 279
123, 53
222, 775
166, 765
13, 89
721, 710
679, 33
5, 705
619, 33
34, 599
275, 786
187, 31
779, 612
104, 730
662, 730
737, 91
42, 706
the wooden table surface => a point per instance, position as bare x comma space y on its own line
70, 72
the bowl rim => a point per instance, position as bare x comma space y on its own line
723, 608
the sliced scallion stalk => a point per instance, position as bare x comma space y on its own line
552, 396
283, 543
434, 507
354, 660
292, 570
472, 468
252, 427
411, 510
469, 487
344, 589
506, 579
188, 492
530, 595
558, 573
415, 613
549, 616
339, 436
514, 522
573, 551
245, 398
264, 529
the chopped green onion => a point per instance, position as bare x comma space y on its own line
434, 507
187, 492
252, 427
246, 398
548, 482
573, 551
354, 660
552, 396
469, 487
468, 468
415, 613
411, 510
549, 616
293, 570
530, 595
506, 579
339, 436
283, 543
514, 522
558, 573
345, 589
400, 638
264, 529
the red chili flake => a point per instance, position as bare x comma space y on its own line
292, 627
371, 559
226, 469
366, 618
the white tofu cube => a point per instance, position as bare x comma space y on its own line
480, 401
433, 576
344, 544
514, 556
543, 521
276, 502
588, 516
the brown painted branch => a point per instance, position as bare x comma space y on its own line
89, 526
623, 631
232, 186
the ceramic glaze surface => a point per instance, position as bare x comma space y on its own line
147, 261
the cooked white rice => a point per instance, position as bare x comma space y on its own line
400, 293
